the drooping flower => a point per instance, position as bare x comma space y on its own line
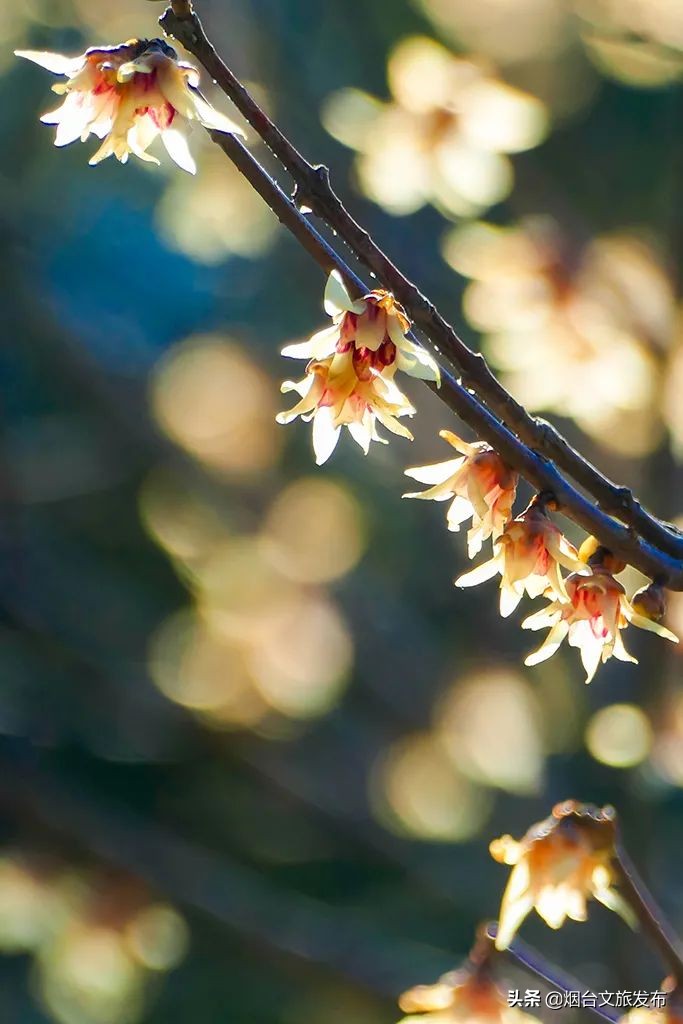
332, 396
481, 485
374, 328
128, 95
597, 611
466, 996
528, 555
558, 865
350, 376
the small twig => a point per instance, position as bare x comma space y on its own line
313, 189
531, 960
650, 917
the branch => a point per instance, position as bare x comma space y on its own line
531, 960
526, 443
257, 910
651, 919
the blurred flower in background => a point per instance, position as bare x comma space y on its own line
97, 938
465, 996
217, 214
265, 640
443, 137
586, 333
557, 866
640, 42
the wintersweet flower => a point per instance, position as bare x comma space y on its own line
333, 396
597, 611
528, 556
559, 864
481, 485
374, 328
128, 95
467, 996
352, 364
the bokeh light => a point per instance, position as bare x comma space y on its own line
489, 725
258, 642
667, 753
314, 531
214, 401
418, 791
217, 213
94, 936
619, 735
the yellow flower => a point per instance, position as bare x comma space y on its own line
528, 556
333, 396
350, 377
558, 865
374, 328
597, 611
128, 95
467, 996
443, 135
551, 317
482, 486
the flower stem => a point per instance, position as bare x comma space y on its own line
519, 953
649, 915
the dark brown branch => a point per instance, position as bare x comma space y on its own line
649, 916
539, 471
314, 189
530, 454
531, 960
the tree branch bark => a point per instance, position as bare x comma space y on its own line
532, 446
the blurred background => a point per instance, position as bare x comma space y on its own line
253, 744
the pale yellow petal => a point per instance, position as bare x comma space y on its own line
337, 299
482, 573
549, 645
57, 63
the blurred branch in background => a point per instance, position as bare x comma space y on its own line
285, 922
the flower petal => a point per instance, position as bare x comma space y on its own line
549, 645
325, 435
57, 63
437, 473
642, 622
178, 149
482, 573
337, 299
509, 599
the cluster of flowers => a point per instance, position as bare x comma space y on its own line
589, 607
557, 867
128, 96
131, 94
351, 368
349, 381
